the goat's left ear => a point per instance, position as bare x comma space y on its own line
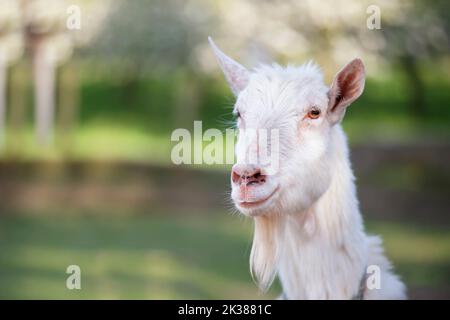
347, 86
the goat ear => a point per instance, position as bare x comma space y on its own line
237, 76
347, 86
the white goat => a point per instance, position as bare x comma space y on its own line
308, 228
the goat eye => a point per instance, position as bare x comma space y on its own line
237, 115
314, 113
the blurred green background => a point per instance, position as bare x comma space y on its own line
86, 117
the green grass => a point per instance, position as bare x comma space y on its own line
125, 257
421, 254
170, 257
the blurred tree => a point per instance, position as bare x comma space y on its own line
147, 36
11, 47
50, 45
421, 32
333, 32
18, 93
155, 38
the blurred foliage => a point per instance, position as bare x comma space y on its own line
141, 69
118, 122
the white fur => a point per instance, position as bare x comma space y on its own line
310, 232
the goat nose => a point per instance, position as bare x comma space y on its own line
247, 175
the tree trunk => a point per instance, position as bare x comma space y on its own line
3, 90
416, 86
18, 101
44, 91
68, 102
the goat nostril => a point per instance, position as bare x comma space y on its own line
247, 176
235, 177
255, 179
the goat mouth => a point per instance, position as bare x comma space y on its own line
251, 204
